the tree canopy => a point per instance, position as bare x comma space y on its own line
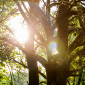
55, 48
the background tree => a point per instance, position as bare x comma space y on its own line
68, 20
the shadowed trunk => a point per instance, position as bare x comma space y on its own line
33, 71
31, 62
57, 71
51, 74
62, 23
32, 65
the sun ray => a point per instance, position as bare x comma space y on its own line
19, 28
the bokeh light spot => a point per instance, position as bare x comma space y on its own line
53, 48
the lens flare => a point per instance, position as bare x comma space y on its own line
53, 47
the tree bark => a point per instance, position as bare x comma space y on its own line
57, 71
31, 62
62, 32
56, 74
33, 71
51, 73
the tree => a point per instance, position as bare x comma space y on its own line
69, 20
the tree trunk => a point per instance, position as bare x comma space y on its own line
56, 74
31, 62
57, 70
62, 23
33, 71
51, 73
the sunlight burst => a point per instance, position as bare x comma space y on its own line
19, 28
21, 35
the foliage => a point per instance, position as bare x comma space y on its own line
66, 66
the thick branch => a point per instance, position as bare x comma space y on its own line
21, 63
32, 20
74, 75
76, 42
54, 4
9, 29
43, 82
24, 6
42, 74
6, 17
41, 60
28, 67
75, 55
37, 57
73, 71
